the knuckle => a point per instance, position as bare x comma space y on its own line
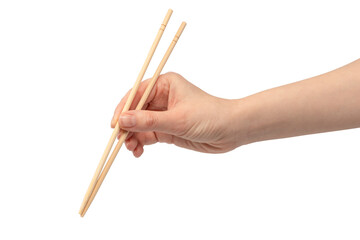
151, 120
170, 75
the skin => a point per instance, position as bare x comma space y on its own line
177, 112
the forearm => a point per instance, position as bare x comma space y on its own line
323, 103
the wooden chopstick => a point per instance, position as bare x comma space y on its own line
126, 108
139, 107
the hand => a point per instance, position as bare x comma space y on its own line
179, 113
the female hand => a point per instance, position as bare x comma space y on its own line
177, 112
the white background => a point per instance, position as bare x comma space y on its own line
64, 66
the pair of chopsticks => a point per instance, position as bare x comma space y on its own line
101, 171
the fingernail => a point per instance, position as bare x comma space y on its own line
127, 121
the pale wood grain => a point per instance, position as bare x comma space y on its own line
126, 108
139, 107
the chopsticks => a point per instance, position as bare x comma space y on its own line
126, 108
99, 175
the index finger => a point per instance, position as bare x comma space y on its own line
120, 107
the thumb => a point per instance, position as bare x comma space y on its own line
144, 121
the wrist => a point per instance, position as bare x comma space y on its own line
249, 122
240, 121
